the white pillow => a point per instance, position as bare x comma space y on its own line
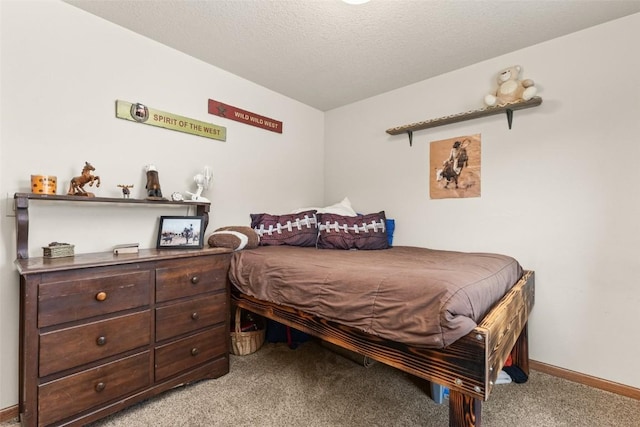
341, 208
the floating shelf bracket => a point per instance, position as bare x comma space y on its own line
461, 117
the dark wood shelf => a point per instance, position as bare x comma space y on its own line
461, 117
22, 211
83, 199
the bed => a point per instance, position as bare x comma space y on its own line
379, 303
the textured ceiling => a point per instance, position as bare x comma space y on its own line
325, 53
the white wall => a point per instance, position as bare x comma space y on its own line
559, 190
62, 70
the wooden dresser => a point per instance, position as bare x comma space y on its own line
99, 332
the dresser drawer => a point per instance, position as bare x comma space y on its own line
188, 352
70, 347
69, 395
180, 318
91, 294
191, 277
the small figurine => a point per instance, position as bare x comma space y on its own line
202, 183
177, 197
125, 190
153, 184
76, 187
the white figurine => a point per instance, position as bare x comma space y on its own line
202, 181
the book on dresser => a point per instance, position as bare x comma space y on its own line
126, 248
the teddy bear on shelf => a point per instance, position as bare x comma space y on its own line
510, 88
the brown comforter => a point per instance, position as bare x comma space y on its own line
416, 296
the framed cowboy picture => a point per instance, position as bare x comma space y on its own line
180, 232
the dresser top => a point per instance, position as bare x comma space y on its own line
99, 259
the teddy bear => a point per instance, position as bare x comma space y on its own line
510, 88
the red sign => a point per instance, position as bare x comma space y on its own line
227, 111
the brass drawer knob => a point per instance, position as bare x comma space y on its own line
195, 280
101, 296
195, 316
195, 351
100, 386
101, 340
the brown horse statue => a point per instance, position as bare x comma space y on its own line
76, 188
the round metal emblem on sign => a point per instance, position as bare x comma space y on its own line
139, 112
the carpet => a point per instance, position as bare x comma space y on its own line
313, 386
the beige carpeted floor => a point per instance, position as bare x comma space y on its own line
314, 387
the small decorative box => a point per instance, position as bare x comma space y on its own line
44, 184
57, 250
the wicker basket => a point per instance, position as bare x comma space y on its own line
243, 343
57, 250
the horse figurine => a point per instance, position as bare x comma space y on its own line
76, 187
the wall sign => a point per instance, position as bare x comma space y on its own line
229, 112
142, 114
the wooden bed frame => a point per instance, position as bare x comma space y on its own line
468, 367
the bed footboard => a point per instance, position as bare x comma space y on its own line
469, 366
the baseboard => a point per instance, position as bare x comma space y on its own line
588, 380
9, 413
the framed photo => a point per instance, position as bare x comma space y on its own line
180, 232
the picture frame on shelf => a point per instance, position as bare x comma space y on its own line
180, 232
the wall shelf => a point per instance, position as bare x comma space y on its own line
22, 211
468, 115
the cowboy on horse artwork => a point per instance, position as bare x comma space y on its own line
456, 166
76, 187
452, 167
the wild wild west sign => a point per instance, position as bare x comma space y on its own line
140, 113
230, 112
